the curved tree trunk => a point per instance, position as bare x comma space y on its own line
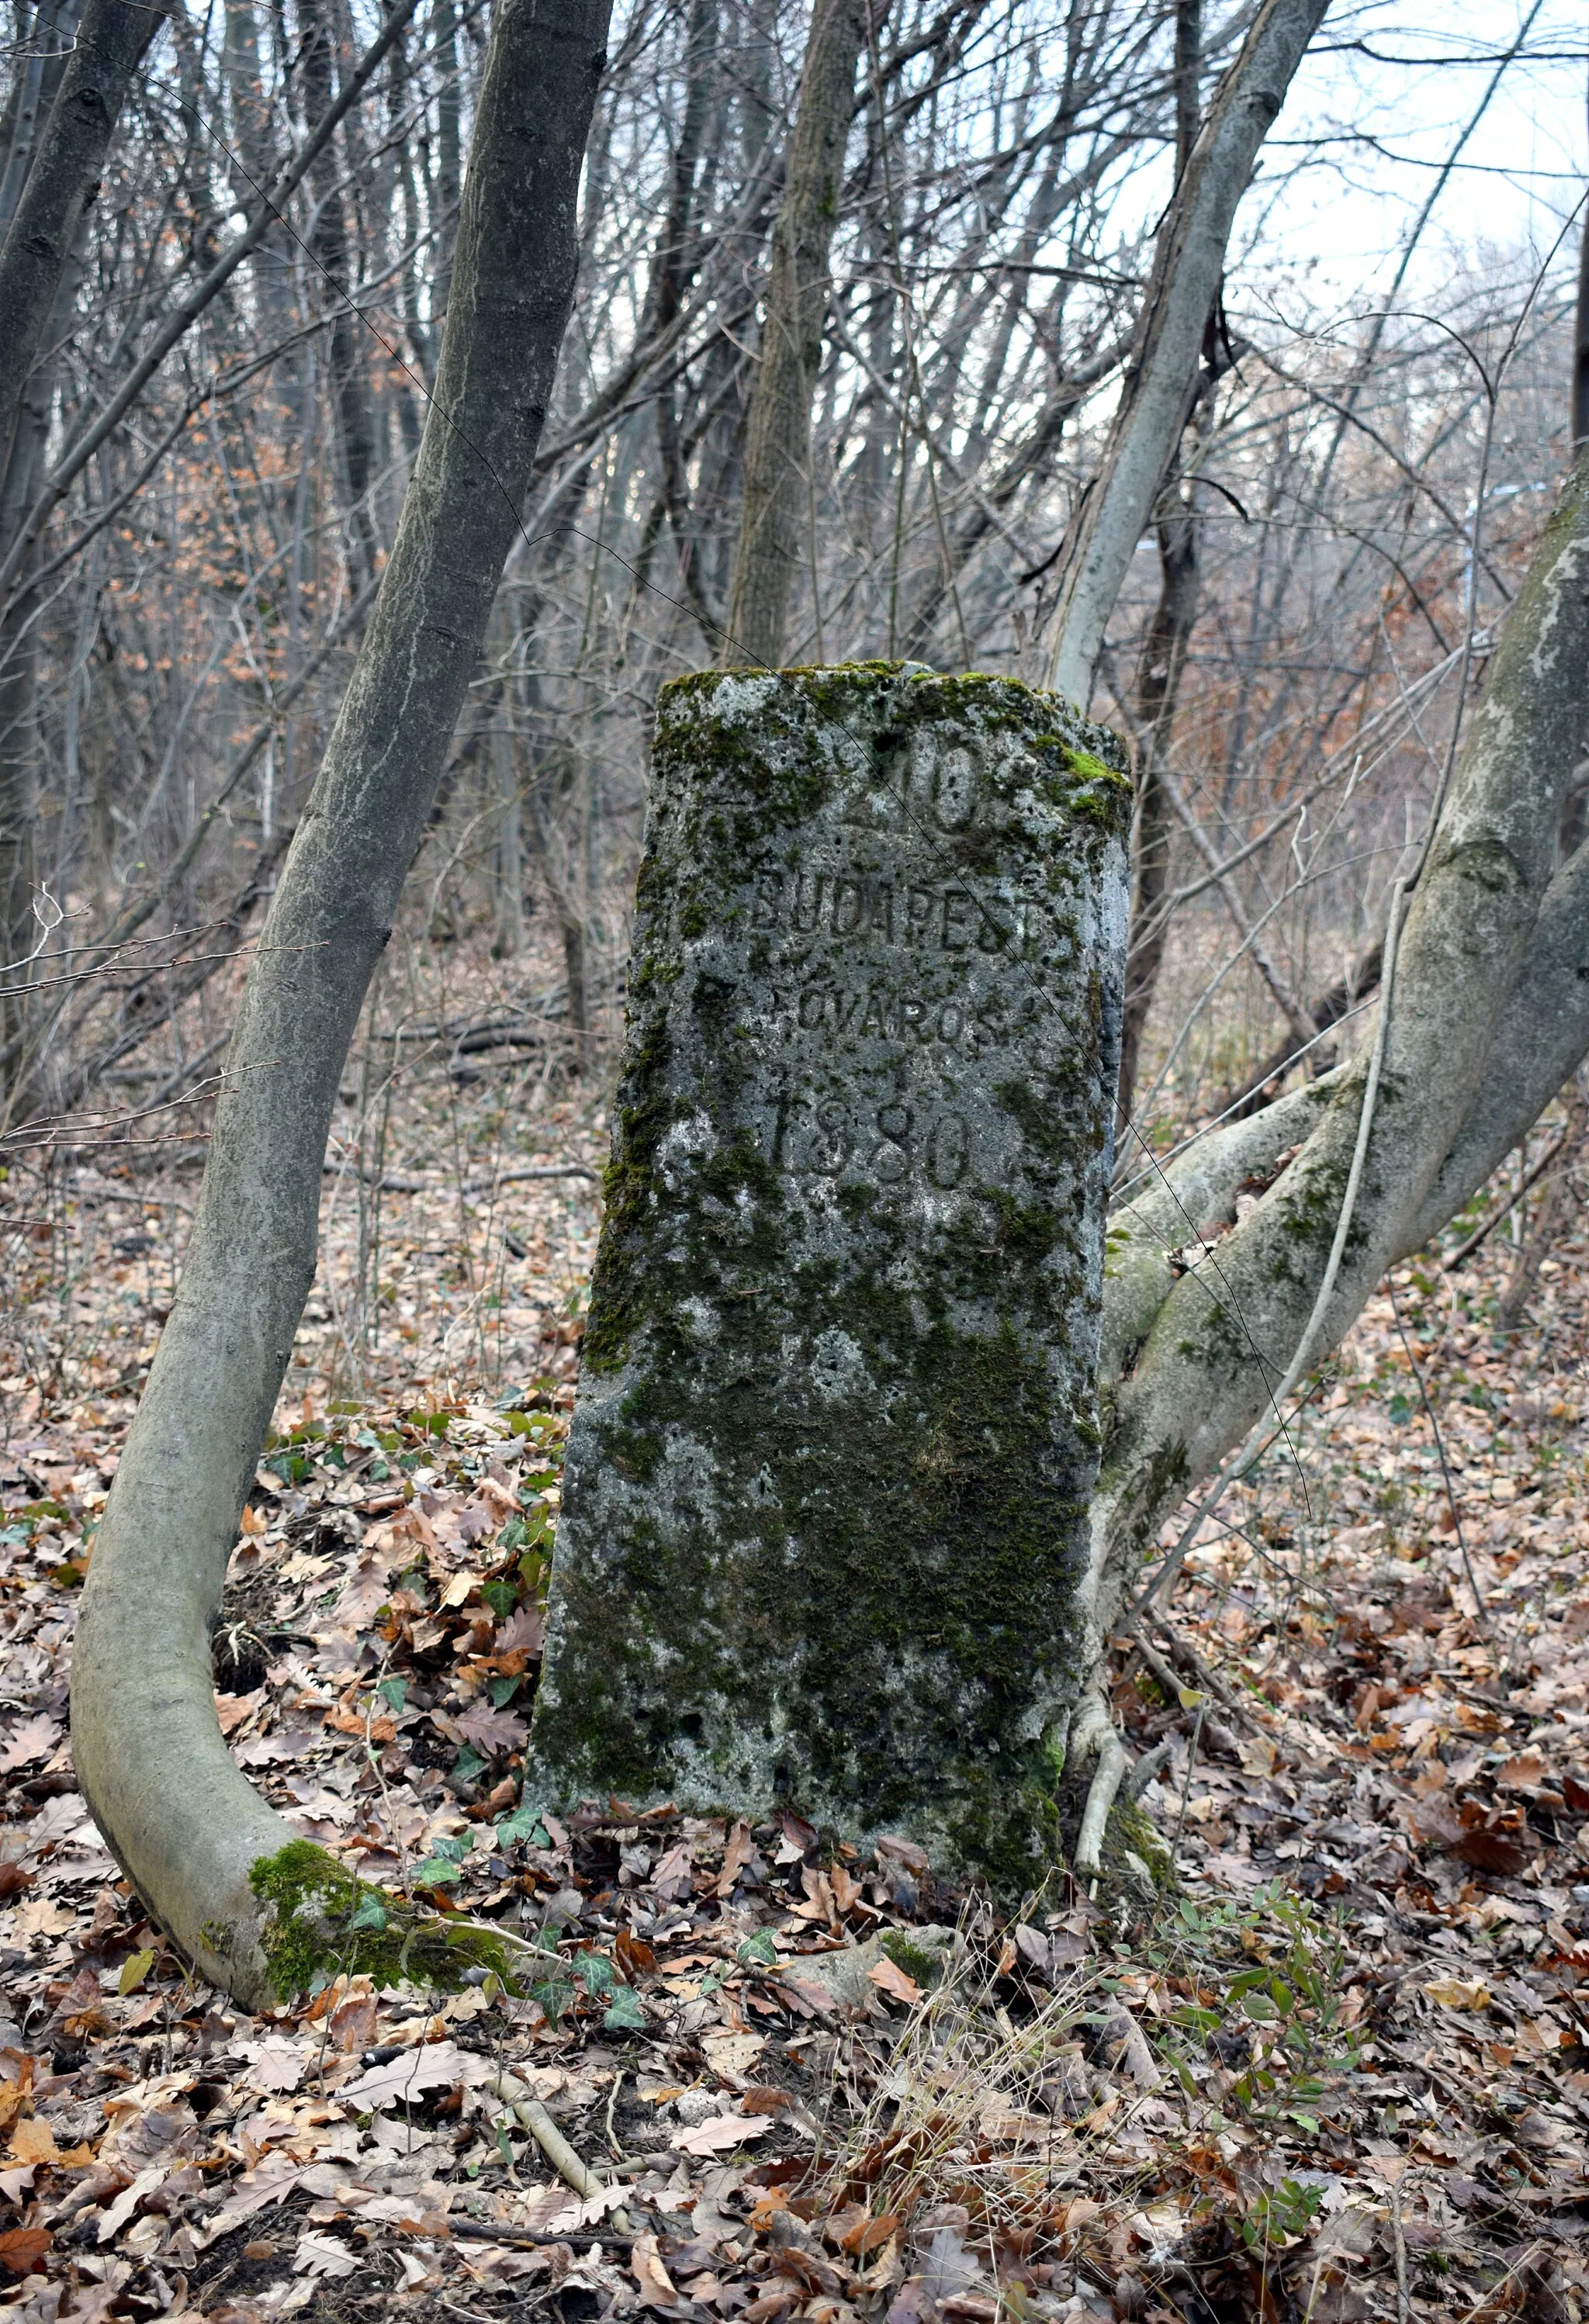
778, 438
1488, 1013
175, 1811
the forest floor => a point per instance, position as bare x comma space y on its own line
1339, 2071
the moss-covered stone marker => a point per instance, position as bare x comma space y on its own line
824, 1504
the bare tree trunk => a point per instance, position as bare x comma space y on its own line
507, 806
508, 941
1580, 411
579, 998
40, 63
1485, 1015
1189, 81
570, 926
19, 738
62, 182
1163, 658
669, 272
778, 438
1189, 261
445, 189
1164, 653
349, 379
174, 1808
21, 747
1555, 1213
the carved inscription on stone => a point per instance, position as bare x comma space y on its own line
825, 1483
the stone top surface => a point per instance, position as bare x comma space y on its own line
827, 1479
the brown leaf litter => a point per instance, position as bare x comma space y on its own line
1343, 2074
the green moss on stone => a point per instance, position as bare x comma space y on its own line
826, 1490
917, 1961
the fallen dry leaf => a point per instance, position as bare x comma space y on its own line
655, 2284
22, 2248
323, 2255
1459, 1993
34, 2140
1490, 1851
428, 2066
29, 1739
279, 2067
866, 2235
733, 2055
720, 2134
890, 1978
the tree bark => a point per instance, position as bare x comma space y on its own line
664, 297
1187, 264
508, 939
570, 924
1555, 1210
21, 745
1163, 658
1489, 1014
62, 182
777, 434
349, 368
1164, 649
263, 215
172, 1805
1580, 395
39, 67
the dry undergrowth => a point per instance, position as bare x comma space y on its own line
1341, 2073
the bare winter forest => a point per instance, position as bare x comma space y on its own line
1341, 2072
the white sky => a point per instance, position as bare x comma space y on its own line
1394, 83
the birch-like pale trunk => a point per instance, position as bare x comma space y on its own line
1188, 262
174, 1808
1489, 1014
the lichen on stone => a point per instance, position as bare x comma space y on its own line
824, 1499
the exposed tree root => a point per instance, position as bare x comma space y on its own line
1092, 1734
321, 1921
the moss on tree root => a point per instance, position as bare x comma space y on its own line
321, 1921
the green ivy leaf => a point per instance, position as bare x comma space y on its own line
762, 1947
371, 1914
597, 1973
555, 1996
625, 2015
